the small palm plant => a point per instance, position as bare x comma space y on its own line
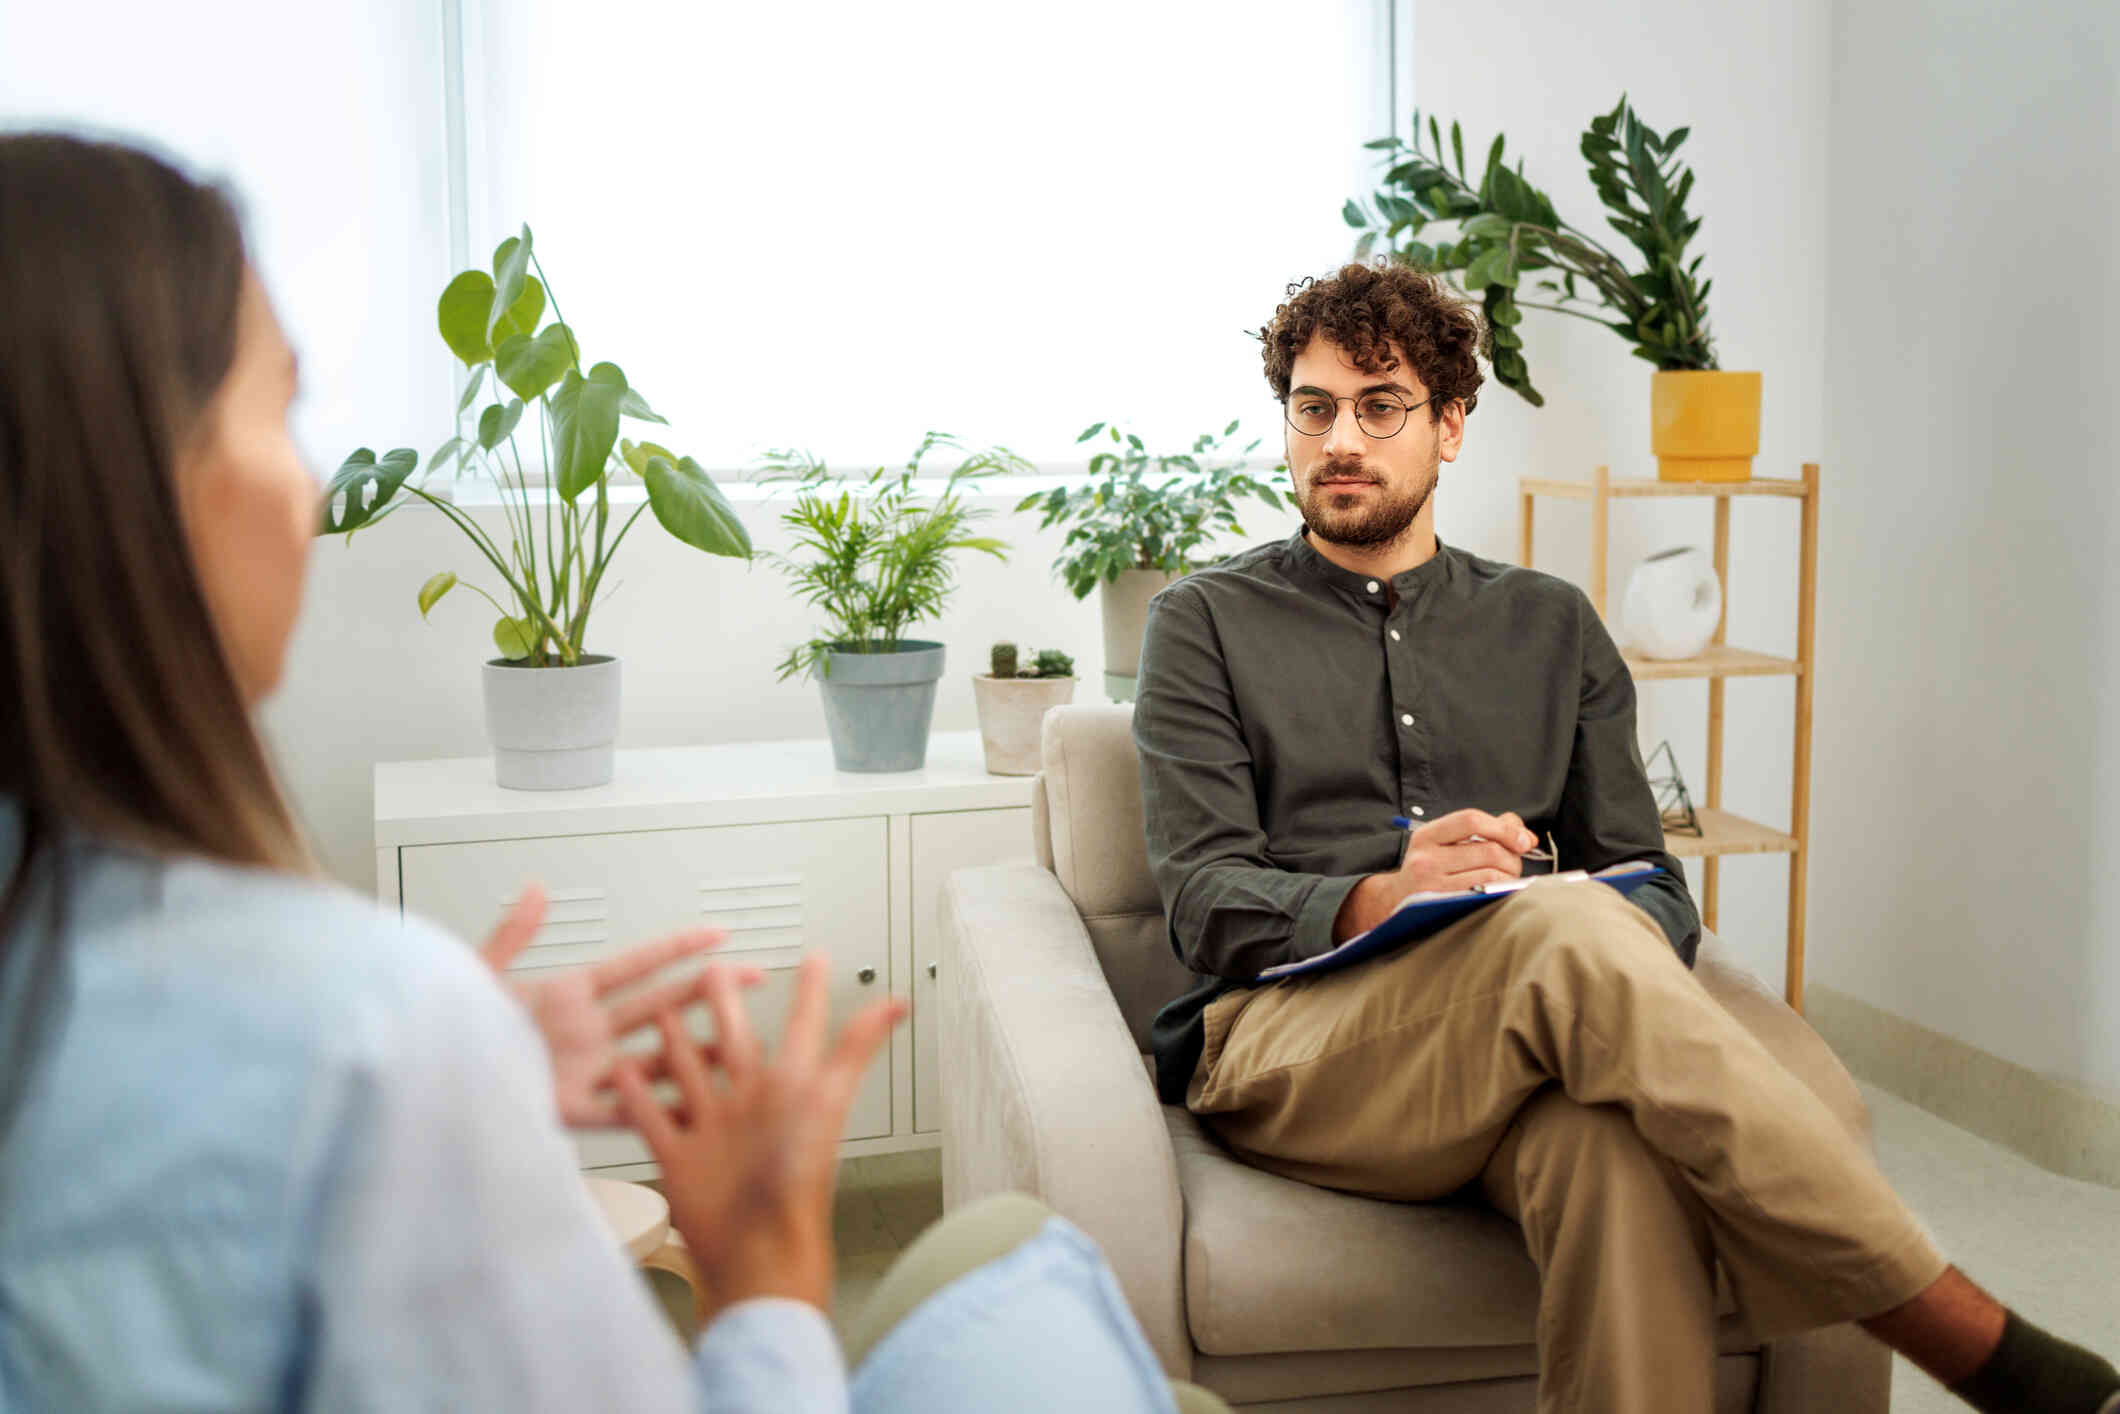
879, 559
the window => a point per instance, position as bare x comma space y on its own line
837, 225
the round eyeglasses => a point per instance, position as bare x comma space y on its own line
1377, 414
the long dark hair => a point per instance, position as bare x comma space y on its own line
122, 720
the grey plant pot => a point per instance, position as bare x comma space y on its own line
1011, 713
552, 728
878, 706
1124, 602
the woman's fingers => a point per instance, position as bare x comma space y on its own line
638, 1103
650, 958
802, 1041
732, 1026
858, 1044
690, 1072
524, 917
635, 1012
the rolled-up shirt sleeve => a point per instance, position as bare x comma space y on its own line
1608, 814
1232, 912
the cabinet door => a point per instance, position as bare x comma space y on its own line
779, 890
942, 842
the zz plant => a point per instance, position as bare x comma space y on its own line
560, 540
1505, 232
879, 560
1122, 520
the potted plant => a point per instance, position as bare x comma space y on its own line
879, 562
1013, 701
551, 707
1132, 535
1704, 421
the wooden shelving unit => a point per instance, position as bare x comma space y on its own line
1722, 833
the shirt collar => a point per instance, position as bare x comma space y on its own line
1437, 569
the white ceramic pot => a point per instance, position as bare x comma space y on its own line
1124, 602
1673, 603
1011, 713
552, 728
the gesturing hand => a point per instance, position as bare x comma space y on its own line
749, 1155
577, 1013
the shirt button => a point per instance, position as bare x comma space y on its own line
1394, 635
1416, 810
1406, 718
1372, 586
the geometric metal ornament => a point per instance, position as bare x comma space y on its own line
1673, 801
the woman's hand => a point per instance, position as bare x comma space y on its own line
749, 1156
577, 1013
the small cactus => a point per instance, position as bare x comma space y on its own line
1004, 660
1052, 663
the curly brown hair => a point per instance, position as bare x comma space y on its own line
1365, 310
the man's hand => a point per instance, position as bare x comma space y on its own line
577, 1013
1441, 857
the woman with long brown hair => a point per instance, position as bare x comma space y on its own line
265, 1146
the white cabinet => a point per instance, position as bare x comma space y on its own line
942, 842
763, 839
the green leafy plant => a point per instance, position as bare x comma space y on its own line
560, 544
1505, 231
1050, 663
1121, 520
879, 560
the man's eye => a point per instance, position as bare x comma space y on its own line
1310, 409
1382, 407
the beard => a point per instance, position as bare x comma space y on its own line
1363, 520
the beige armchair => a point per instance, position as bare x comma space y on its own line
1275, 1294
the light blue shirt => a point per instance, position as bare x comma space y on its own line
284, 1151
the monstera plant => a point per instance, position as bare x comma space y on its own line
560, 536
559, 527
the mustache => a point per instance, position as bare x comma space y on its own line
1341, 471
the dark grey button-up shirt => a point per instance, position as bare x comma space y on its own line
1284, 714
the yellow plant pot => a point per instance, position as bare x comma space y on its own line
1704, 426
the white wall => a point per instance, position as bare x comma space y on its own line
1968, 745
1751, 82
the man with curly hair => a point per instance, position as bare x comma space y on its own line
1553, 1049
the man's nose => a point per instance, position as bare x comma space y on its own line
1345, 435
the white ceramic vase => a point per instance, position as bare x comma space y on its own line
552, 728
1673, 603
1011, 714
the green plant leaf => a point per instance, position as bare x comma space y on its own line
453, 447
1381, 142
471, 390
497, 422
635, 406
1457, 147
1488, 225
692, 508
522, 316
585, 426
1351, 213
516, 638
461, 314
531, 363
511, 265
636, 454
434, 589
362, 486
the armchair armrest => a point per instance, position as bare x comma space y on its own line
1043, 1092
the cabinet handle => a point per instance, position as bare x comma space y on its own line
931, 969
867, 975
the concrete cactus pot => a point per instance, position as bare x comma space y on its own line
878, 706
1010, 712
552, 728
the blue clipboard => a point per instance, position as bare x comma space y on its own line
1418, 915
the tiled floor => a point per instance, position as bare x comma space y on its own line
2048, 1245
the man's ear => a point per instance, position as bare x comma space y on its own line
1450, 430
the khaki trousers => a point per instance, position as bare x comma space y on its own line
1553, 1048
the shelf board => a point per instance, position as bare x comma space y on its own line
1723, 833
1650, 486
1720, 660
